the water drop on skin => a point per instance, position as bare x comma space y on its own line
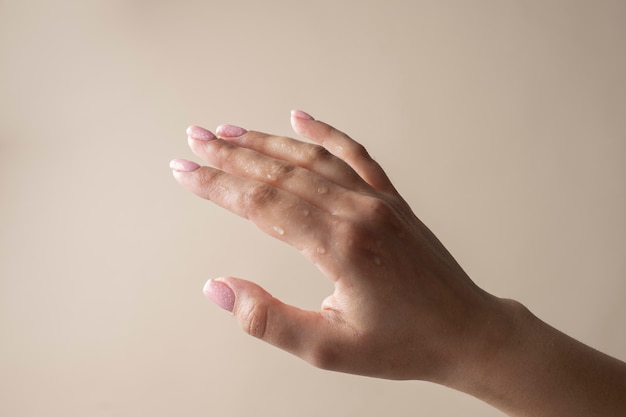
279, 230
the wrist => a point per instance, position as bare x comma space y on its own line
525, 367
496, 339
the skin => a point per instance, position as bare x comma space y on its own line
402, 307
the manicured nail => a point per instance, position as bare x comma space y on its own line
220, 293
230, 131
299, 114
183, 165
200, 133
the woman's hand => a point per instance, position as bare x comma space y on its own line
402, 307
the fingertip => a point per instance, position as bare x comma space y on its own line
183, 165
220, 293
299, 114
200, 133
230, 131
299, 120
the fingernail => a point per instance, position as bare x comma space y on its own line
230, 131
299, 114
200, 133
183, 165
220, 293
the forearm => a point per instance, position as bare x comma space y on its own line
539, 371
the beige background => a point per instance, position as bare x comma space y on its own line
503, 123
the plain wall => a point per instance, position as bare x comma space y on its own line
503, 123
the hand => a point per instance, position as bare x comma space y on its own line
402, 307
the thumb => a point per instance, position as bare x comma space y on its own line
259, 314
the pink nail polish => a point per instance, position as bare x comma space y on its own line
220, 293
182, 165
299, 114
200, 133
230, 131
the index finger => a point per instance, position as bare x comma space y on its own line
343, 147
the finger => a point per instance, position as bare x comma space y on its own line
297, 331
342, 146
249, 163
312, 157
276, 212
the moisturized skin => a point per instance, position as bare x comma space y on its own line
402, 307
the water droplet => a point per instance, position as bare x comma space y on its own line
279, 230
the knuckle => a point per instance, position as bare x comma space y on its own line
356, 151
377, 209
316, 153
206, 177
210, 183
383, 213
220, 153
224, 149
258, 195
253, 320
280, 170
375, 215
